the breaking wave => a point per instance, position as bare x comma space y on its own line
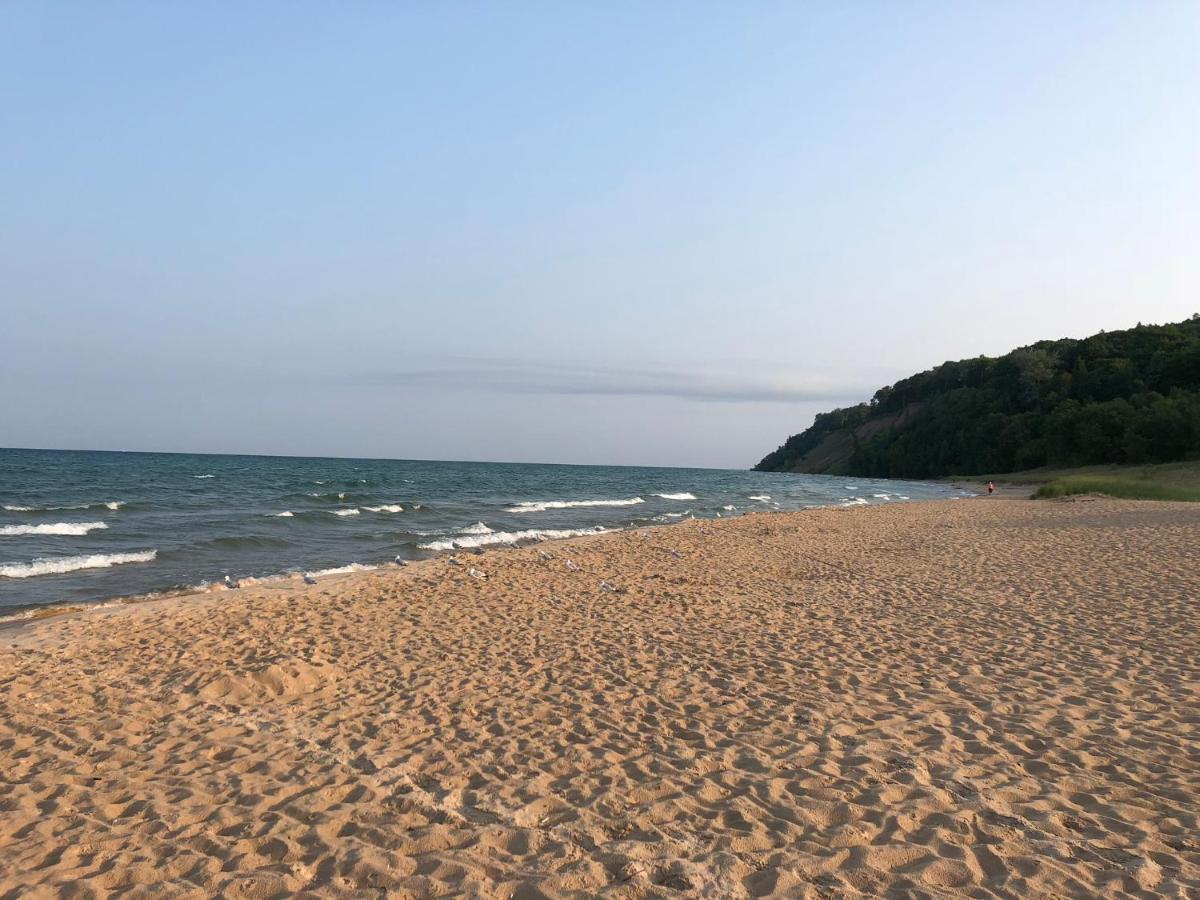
72, 528
543, 505
62, 564
682, 496
466, 542
343, 570
344, 512
386, 508
111, 504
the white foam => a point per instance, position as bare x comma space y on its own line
343, 570
683, 496
112, 504
729, 506
687, 512
477, 528
286, 514
61, 564
765, 498
543, 505
465, 542
75, 528
204, 476
344, 512
882, 496
386, 508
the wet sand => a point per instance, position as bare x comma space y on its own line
984, 697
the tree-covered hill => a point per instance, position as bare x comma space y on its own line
1118, 397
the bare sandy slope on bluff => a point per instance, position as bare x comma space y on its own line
983, 696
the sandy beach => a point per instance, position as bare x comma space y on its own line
984, 697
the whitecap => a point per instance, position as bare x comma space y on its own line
386, 508
112, 504
62, 564
543, 505
765, 498
204, 476
62, 528
344, 512
286, 514
477, 528
729, 506
466, 542
681, 496
343, 570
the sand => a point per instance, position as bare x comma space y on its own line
984, 697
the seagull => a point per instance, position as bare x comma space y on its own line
308, 579
475, 573
677, 554
571, 565
400, 561
545, 556
453, 561
605, 586
230, 583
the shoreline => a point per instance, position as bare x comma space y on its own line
21, 617
931, 698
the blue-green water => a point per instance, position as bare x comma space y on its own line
85, 526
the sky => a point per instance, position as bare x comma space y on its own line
624, 233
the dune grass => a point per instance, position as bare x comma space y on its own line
1165, 481
1127, 487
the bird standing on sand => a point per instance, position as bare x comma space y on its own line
400, 561
571, 565
230, 583
308, 579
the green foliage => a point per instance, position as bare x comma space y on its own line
1120, 397
1116, 486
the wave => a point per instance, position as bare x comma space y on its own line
466, 542
73, 528
111, 504
729, 506
765, 498
386, 508
682, 496
286, 514
343, 570
204, 476
543, 505
344, 512
243, 541
62, 564
477, 528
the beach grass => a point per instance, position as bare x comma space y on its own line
1178, 481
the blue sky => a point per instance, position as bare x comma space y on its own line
624, 233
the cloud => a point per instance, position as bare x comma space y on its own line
512, 377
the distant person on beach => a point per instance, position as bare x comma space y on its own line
991, 488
